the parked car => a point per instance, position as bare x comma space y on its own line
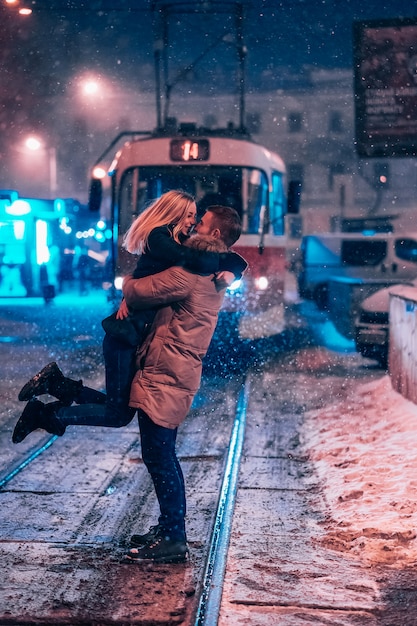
372, 324
345, 296
381, 256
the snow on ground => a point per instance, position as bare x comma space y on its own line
364, 452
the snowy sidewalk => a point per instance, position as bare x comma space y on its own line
365, 454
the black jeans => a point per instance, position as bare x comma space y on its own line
111, 408
159, 456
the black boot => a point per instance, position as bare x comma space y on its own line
136, 541
35, 415
51, 380
160, 550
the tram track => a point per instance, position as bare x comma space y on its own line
32, 456
208, 563
210, 597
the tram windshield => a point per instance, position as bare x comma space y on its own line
245, 189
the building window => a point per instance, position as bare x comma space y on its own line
295, 122
335, 170
335, 122
296, 172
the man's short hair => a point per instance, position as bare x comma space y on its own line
228, 221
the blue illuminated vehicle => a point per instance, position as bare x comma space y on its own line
332, 257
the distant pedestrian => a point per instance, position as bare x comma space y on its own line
83, 267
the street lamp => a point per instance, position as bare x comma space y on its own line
92, 91
35, 144
90, 87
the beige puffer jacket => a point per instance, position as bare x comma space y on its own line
170, 360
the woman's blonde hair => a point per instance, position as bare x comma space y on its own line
171, 208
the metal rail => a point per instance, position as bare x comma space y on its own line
27, 461
210, 599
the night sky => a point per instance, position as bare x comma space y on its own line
63, 37
43, 55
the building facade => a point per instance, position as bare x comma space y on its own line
312, 125
309, 120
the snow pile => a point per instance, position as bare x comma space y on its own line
364, 452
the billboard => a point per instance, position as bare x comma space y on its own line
385, 58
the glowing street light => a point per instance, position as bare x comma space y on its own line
90, 87
33, 143
21, 10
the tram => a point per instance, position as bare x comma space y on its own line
221, 167
217, 166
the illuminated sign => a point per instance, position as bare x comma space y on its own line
42, 250
189, 150
18, 208
385, 56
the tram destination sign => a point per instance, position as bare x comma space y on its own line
385, 58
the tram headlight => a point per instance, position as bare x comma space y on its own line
261, 283
99, 172
118, 282
235, 286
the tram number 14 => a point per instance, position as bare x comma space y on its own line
186, 150
190, 151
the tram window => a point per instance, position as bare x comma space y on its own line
277, 205
257, 190
133, 198
208, 184
230, 189
159, 180
362, 253
406, 249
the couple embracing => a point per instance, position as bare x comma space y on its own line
174, 296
